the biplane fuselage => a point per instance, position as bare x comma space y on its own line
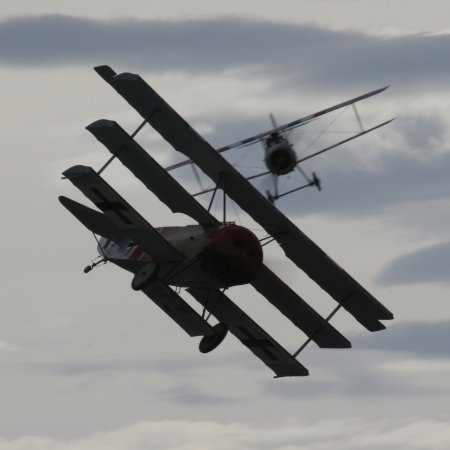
213, 256
280, 157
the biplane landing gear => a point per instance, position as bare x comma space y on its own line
209, 343
144, 276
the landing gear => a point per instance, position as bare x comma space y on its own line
147, 274
87, 269
209, 343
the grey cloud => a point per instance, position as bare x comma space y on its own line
366, 376
104, 365
397, 178
345, 432
313, 55
421, 339
416, 171
427, 265
422, 132
189, 395
361, 379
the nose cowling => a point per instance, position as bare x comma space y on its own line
280, 158
234, 255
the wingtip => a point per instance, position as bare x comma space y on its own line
106, 72
62, 199
77, 171
101, 123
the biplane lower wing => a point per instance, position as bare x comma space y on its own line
177, 309
121, 214
297, 246
143, 166
249, 333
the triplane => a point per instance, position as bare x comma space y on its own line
213, 256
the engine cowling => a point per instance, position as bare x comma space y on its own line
234, 255
280, 158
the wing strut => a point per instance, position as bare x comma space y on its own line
111, 159
327, 319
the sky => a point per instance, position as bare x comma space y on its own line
85, 362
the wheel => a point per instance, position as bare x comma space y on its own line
144, 276
209, 343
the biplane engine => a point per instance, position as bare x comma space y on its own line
234, 255
280, 157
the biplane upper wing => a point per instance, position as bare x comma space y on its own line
249, 332
267, 283
296, 245
121, 214
291, 125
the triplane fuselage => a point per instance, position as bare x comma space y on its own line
214, 257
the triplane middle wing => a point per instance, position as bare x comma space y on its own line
212, 256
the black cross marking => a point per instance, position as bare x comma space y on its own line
263, 344
116, 207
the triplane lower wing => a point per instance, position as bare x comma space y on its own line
212, 256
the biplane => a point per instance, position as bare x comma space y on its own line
212, 256
280, 157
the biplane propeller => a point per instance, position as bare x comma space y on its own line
214, 255
279, 154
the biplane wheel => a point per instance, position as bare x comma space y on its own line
144, 276
209, 343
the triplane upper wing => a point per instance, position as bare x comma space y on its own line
213, 255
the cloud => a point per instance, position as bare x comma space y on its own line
190, 395
426, 265
351, 189
420, 339
339, 434
290, 52
388, 364
102, 366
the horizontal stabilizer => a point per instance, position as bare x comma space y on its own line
249, 333
94, 221
122, 214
